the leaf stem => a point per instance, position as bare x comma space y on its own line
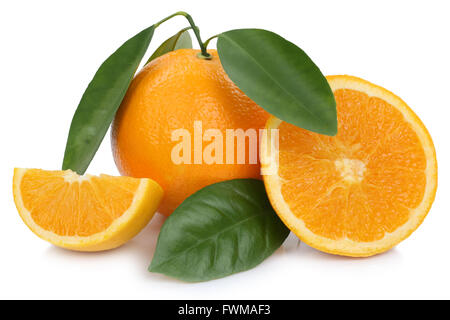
204, 54
185, 29
206, 43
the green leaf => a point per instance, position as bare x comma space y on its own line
181, 40
279, 77
101, 100
222, 229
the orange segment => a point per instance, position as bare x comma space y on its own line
364, 190
85, 213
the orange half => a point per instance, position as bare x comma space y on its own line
84, 213
362, 191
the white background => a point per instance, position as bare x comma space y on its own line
49, 51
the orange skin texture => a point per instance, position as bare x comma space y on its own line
171, 93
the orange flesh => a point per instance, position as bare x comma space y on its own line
359, 184
81, 207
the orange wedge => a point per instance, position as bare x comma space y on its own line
84, 213
363, 191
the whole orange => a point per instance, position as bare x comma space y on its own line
171, 93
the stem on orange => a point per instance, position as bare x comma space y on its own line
203, 54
